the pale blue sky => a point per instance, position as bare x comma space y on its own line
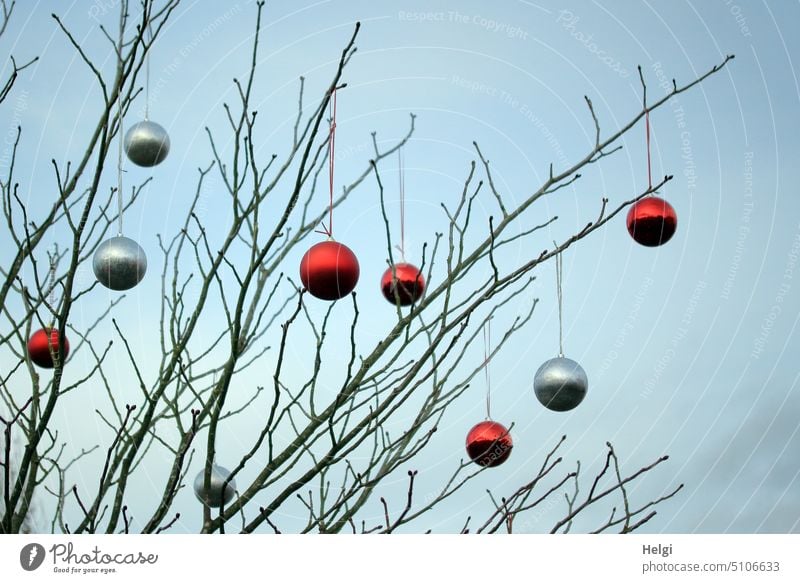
689, 348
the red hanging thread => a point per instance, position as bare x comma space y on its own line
329, 270
651, 220
331, 155
487, 342
402, 205
647, 131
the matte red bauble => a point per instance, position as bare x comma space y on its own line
652, 221
489, 444
39, 349
329, 270
406, 281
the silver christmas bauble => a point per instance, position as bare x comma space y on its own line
146, 143
119, 263
560, 384
214, 496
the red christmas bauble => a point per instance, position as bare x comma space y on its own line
329, 270
39, 348
652, 221
404, 279
489, 444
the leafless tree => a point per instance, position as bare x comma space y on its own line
330, 452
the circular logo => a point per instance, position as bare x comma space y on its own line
31, 556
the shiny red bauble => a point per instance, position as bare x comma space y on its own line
489, 444
652, 221
39, 347
402, 283
329, 270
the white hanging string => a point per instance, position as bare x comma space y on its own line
147, 74
119, 164
559, 280
120, 134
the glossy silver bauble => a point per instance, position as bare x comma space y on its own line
146, 143
560, 384
215, 496
119, 263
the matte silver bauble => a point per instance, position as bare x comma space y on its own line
146, 143
214, 496
119, 263
560, 384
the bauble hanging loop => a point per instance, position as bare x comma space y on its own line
560, 384
403, 284
216, 495
329, 270
489, 444
146, 143
119, 263
652, 221
40, 344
